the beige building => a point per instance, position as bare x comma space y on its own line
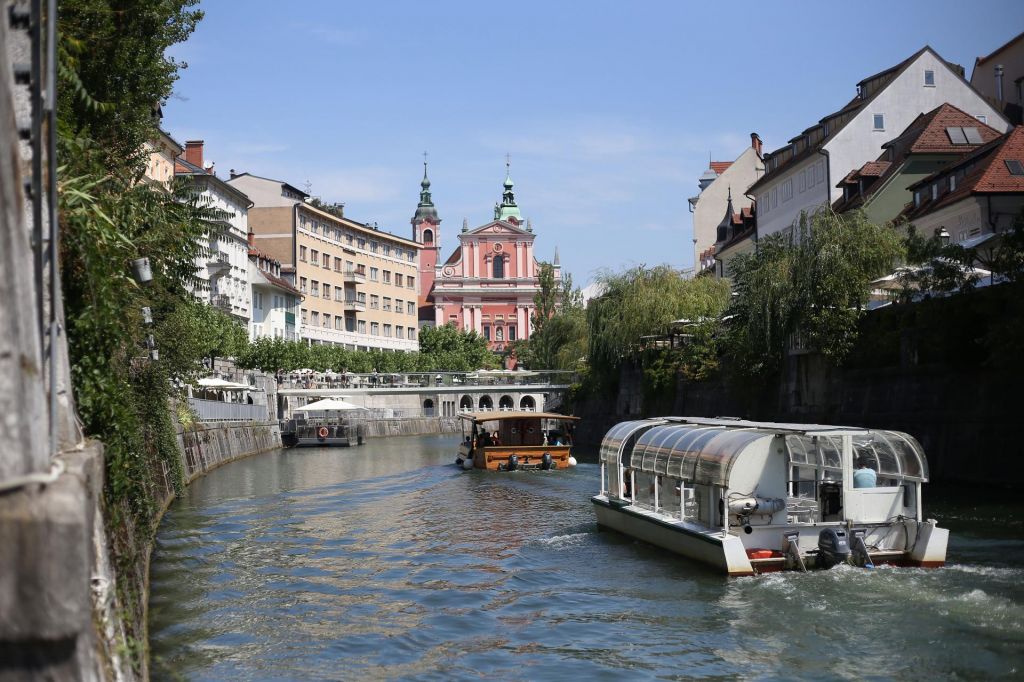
360, 285
722, 182
162, 153
1000, 77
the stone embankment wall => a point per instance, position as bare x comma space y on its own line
966, 421
207, 446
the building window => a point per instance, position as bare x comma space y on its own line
399, 305
302, 254
302, 284
487, 332
929, 79
337, 264
399, 331
302, 316
410, 282
387, 303
327, 321
361, 326
339, 323
374, 274
982, 117
314, 318
314, 257
952, 183
387, 249
327, 291
374, 329
787, 190
879, 121
511, 333
935, 192
362, 243
411, 333
374, 302
373, 247
387, 330
387, 277
316, 288
327, 261
499, 267
257, 300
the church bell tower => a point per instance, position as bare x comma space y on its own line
426, 231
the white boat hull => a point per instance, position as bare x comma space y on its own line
719, 550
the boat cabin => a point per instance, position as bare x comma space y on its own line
510, 440
762, 480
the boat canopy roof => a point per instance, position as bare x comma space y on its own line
495, 416
703, 451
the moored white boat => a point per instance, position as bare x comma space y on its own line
747, 497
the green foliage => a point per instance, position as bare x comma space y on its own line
1008, 260
935, 266
442, 349
559, 320
642, 302
813, 287
114, 53
448, 348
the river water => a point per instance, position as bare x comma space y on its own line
386, 561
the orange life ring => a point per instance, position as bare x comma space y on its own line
322, 432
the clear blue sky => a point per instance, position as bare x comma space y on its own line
608, 109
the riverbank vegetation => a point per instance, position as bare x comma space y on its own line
442, 349
113, 75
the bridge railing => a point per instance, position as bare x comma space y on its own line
217, 411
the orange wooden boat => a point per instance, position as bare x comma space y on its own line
523, 440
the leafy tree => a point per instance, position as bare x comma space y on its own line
1008, 260
643, 301
114, 52
447, 348
814, 286
935, 266
559, 336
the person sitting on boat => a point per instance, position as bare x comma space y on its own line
494, 439
864, 476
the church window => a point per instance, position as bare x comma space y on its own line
499, 268
487, 332
428, 236
511, 333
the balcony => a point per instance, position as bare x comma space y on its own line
222, 301
354, 306
219, 264
354, 277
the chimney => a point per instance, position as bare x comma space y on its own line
999, 82
252, 238
194, 152
755, 142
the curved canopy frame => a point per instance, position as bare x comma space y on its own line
892, 454
701, 455
614, 442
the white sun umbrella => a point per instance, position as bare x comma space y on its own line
218, 383
329, 405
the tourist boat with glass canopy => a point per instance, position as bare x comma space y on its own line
749, 497
516, 440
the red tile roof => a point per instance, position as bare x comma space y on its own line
997, 178
933, 138
720, 166
873, 169
987, 174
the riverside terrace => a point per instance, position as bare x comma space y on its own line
427, 394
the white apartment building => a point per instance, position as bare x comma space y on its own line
275, 301
801, 177
223, 269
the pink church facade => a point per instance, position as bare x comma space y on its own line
489, 281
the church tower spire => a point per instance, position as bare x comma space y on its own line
507, 209
425, 210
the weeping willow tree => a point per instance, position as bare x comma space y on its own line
814, 284
643, 301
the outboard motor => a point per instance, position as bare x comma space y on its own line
513, 463
545, 461
833, 547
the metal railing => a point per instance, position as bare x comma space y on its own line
216, 411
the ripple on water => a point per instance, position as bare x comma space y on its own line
381, 562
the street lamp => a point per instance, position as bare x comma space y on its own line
943, 235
